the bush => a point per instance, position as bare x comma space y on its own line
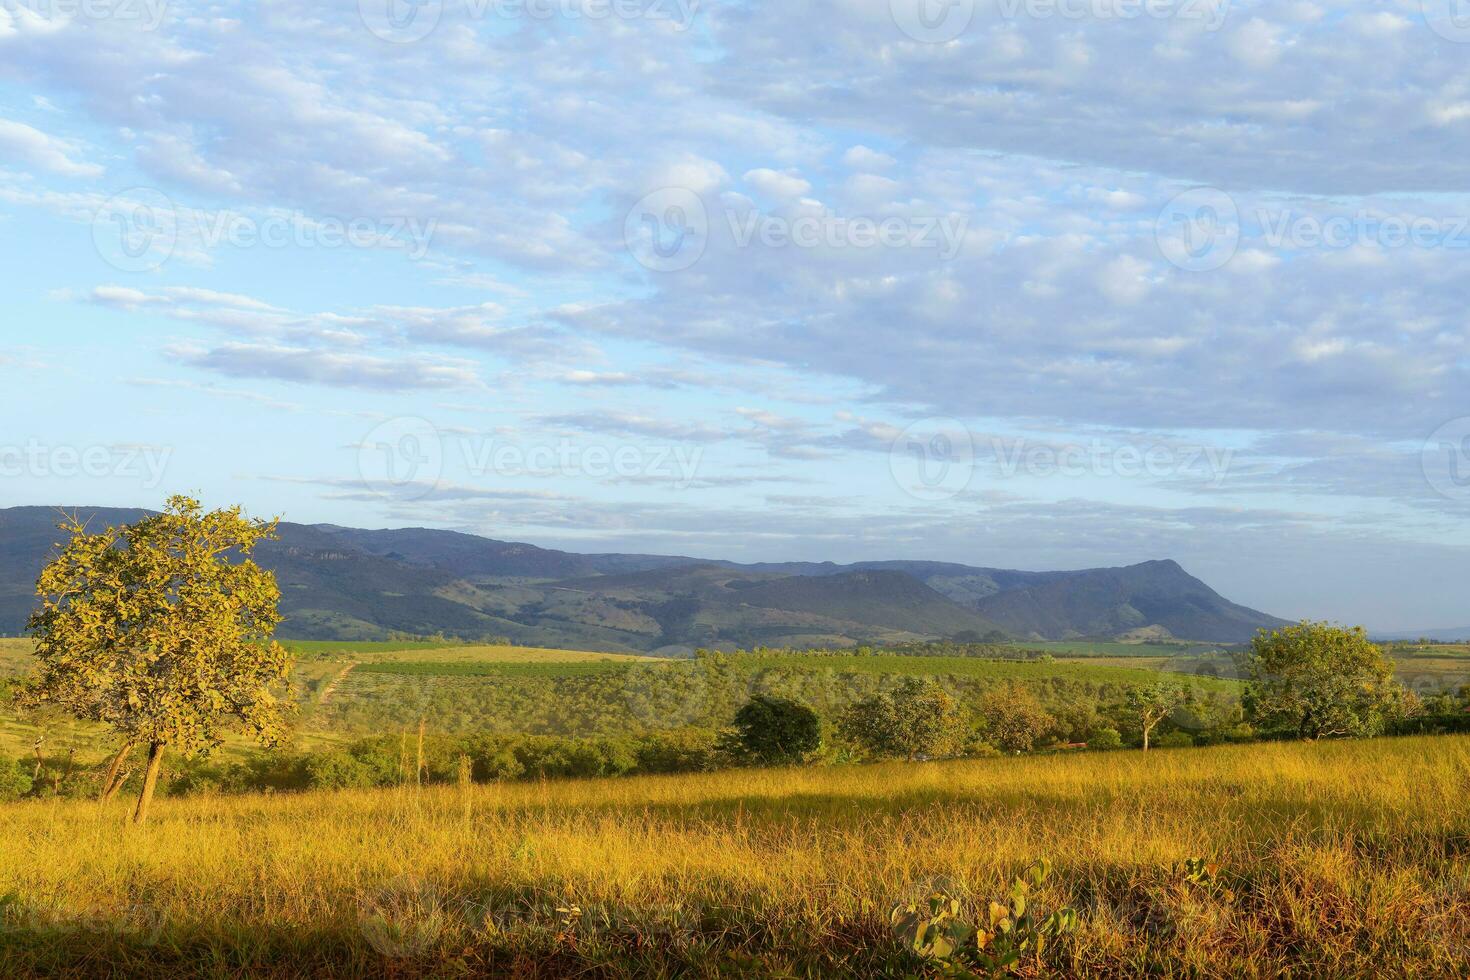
681, 750
1105, 740
15, 782
339, 770
1175, 740
1314, 680
1013, 719
917, 718
778, 730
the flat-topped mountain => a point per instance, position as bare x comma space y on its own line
350, 583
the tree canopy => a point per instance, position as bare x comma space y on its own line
161, 631
1316, 680
777, 730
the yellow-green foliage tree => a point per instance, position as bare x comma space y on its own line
161, 630
1317, 680
916, 718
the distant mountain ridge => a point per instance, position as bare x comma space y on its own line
353, 583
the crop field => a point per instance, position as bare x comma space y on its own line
1120, 648
1334, 859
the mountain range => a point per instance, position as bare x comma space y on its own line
351, 583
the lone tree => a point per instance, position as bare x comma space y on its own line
1152, 704
916, 718
1318, 680
778, 730
1013, 719
161, 631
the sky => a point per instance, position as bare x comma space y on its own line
1025, 283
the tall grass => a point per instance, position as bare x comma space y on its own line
1336, 859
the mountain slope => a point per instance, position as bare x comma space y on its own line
342, 582
1110, 601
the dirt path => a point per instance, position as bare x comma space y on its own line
331, 688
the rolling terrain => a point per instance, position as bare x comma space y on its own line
347, 583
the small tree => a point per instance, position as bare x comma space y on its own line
778, 730
1317, 680
1152, 704
1014, 719
14, 780
160, 630
916, 718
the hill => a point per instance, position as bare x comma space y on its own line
356, 584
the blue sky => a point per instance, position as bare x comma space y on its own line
1024, 284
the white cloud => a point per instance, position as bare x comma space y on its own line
27, 145
777, 185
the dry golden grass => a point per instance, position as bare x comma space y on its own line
1340, 859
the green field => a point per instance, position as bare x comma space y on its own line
1120, 648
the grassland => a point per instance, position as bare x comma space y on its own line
1336, 859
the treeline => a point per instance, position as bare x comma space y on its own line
898, 718
603, 700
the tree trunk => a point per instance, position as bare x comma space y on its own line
150, 780
1146, 730
110, 782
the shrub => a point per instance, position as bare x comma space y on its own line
1175, 740
1105, 740
776, 730
916, 718
1314, 680
15, 782
1013, 719
339, 770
